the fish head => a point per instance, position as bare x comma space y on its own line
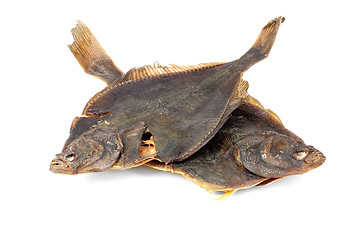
93, 151
274, 155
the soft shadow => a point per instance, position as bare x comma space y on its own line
133, 173
281, 183
123, 174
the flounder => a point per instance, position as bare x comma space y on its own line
181, 107
252, 148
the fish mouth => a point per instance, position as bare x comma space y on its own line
59, 166
315, 158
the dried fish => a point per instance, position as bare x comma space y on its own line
252, 148
181, 107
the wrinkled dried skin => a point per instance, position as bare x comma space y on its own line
97, 150
252, 148
182, 110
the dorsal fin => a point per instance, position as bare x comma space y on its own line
158, 70
272, 114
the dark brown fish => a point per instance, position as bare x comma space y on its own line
252, 148
181, 108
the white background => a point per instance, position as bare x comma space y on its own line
309, 80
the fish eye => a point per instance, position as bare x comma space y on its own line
300, 154
70, 157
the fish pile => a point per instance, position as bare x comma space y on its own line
195, 120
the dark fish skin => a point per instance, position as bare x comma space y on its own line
182, 111
251, 148
213, 168
103, 146
273, 155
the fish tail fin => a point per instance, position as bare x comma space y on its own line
91, 56
267, 36
262, 46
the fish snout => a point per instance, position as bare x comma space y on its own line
315, 157
59, 166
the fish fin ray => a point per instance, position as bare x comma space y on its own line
157, 70
224, 142
226, 195
272, 114
262, 46
91, 56
268, 34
